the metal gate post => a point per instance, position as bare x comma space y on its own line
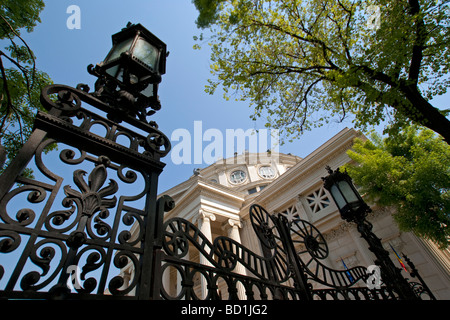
90, 229
145, 287
150, 287
353, 208
299, 275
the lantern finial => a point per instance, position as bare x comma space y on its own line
128, 77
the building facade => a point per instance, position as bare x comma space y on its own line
217, 200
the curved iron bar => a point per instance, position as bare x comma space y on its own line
267, 229
224, 253
315, 247
65, 102
92, 230
336, 278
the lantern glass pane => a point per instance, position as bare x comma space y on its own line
119, 48
146, 53
337, 196
348, 192
116, 71
148, 91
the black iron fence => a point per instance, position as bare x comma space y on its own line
91, 227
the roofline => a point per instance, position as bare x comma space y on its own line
332, 146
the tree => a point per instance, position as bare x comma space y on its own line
411, 172
21, 82
302, 63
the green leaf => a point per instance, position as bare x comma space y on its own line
411, 172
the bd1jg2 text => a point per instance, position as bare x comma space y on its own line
230, 309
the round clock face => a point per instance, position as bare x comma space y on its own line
266, 172
238, 176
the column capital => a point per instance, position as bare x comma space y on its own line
234, 223
202, 214
231, 224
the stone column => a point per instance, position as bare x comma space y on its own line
233, 233
204, 223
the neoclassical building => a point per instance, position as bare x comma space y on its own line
217, 200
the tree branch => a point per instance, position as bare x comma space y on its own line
310, 39
377, 75
33, 74
305, 101
419, 42
8, 95
286, 69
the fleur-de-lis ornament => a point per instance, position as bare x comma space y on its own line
93, 197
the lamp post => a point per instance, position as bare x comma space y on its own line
128, 77
79, 220
353, 209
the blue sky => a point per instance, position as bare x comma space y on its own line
64, 54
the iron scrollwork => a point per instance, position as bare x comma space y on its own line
66, 103
69, 229
313, 249
223, 253
274, 275
310, 249
220, 271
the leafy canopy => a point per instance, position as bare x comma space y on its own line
303, 63
20, 81
410, 171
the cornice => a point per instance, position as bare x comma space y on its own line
200, 190
318, 159
326, 154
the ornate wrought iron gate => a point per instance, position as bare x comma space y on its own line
91, 227
289, 268
75, 227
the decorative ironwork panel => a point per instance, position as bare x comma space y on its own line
67, 232
289, 268
312, 249
267, 276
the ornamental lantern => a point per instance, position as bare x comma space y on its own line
348, 200
132, 70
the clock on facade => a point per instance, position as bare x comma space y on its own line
238, 176
266, 172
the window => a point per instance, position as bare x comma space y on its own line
256, 189
266, 172
238, 176
318, 200
252, 190
291, 213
